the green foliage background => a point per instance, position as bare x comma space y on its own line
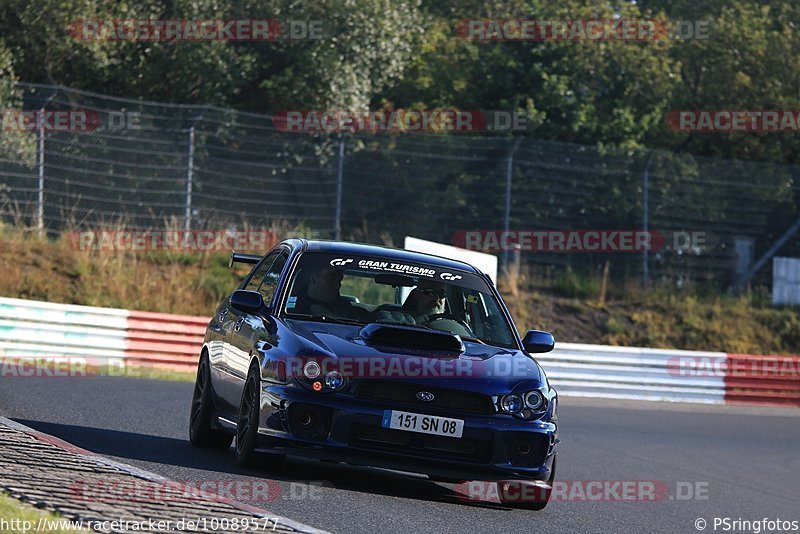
405, 53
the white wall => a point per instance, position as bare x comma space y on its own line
485, 262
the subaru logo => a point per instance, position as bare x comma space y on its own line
425, 396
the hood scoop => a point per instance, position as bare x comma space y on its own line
415, 338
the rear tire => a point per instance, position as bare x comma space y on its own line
542, 497
201, 433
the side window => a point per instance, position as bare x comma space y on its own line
261, 271
270, 281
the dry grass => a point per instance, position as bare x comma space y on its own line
55, 271
567, 304
662, 318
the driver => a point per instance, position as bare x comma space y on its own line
425, 300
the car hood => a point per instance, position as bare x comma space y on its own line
488, 369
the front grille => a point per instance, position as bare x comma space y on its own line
445, 399
389, 439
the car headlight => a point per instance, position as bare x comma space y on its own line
529, 405
334, 380
511, 403
534, 400
312, 370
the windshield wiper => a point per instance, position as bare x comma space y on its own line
473, 339
324, 318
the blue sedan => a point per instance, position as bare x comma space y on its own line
377, 357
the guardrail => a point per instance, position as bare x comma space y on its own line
580, 370
763, 379
33, 329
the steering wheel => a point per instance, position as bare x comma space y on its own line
450, 316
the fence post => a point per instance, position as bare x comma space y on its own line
40, 154
187, 218
507, 217
337, 231
646, 220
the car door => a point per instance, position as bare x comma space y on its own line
250, 329
226, 388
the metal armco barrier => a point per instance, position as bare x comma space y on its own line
633, 373
764, 379
32, 329
164, 339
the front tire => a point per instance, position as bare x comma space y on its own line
247, 422
201, 433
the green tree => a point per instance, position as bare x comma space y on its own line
366, 48
612, 93
14, 146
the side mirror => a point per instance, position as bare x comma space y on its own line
247, 301
538, 341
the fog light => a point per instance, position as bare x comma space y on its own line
334, 380
307, 421
312, 370
511, 403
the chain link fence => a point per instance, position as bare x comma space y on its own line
151, 165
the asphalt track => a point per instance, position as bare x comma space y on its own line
747, 459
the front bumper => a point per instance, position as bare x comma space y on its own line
349, 430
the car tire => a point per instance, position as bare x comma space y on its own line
538, 504
201, 433
247, 421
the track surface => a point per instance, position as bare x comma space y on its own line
748, 458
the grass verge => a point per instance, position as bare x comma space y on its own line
16, 517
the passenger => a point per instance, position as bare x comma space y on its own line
321, 295
425, 300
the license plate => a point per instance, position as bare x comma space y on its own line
424, 424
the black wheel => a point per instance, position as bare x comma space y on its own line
201, 434
514, 495
247, 423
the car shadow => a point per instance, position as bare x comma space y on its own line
173, 452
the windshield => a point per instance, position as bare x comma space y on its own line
361, 290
